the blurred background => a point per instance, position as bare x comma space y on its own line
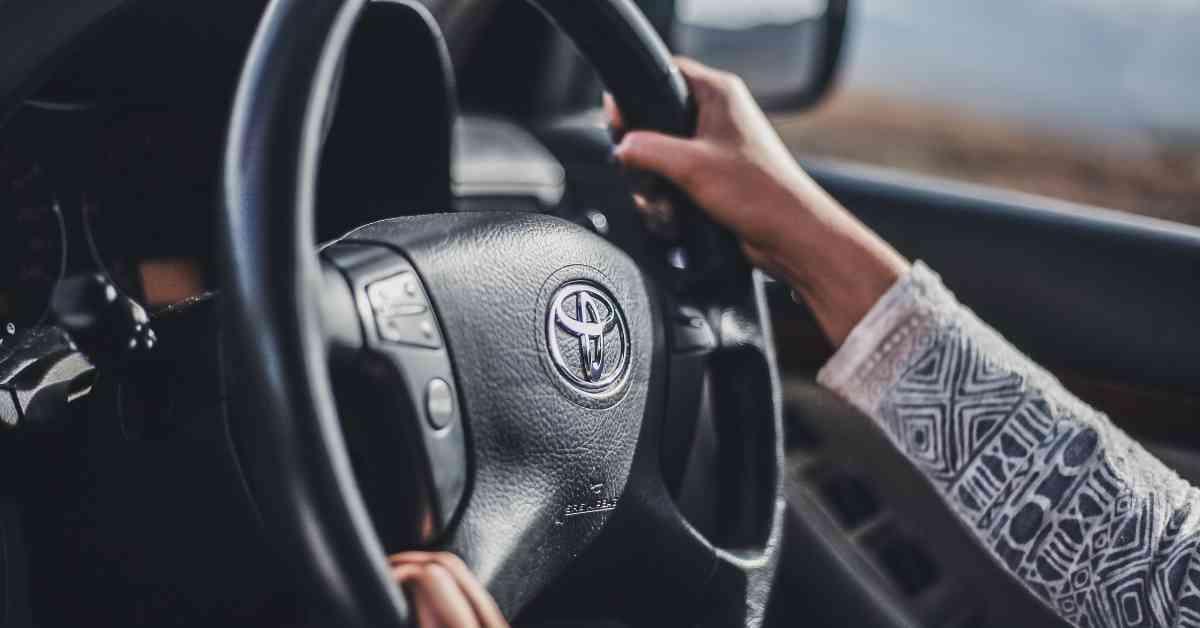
1095, 101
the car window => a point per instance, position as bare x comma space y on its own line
1094, 101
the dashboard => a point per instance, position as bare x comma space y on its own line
126, 192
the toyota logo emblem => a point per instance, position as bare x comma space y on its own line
588, 337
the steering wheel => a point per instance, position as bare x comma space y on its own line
520, 381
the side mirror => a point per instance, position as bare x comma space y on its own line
787, 51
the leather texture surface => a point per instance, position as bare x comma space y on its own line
548, 470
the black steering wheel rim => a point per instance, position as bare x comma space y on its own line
305, 483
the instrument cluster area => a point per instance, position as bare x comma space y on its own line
133, 192
129, 192
151, 187
31, 240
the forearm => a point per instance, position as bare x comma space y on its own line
833, 262
1074, 508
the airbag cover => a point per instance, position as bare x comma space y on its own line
551, 454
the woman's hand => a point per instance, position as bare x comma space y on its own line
443, 592
740, 172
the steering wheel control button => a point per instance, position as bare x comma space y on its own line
439, 404
587, 337
407, 375
402, 313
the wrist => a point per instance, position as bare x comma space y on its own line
840, 269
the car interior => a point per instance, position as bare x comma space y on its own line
287, 286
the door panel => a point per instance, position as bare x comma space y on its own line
1103, 294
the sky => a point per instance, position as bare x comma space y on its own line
1103, 67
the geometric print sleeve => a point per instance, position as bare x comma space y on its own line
1070, 505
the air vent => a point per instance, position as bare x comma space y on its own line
909, 565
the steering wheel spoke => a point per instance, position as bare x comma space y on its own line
397, 393
721, 441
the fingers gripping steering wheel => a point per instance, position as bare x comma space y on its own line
534, 374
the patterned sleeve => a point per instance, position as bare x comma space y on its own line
1069, 504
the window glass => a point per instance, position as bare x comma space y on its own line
1094, 101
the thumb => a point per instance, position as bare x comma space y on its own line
675, 158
